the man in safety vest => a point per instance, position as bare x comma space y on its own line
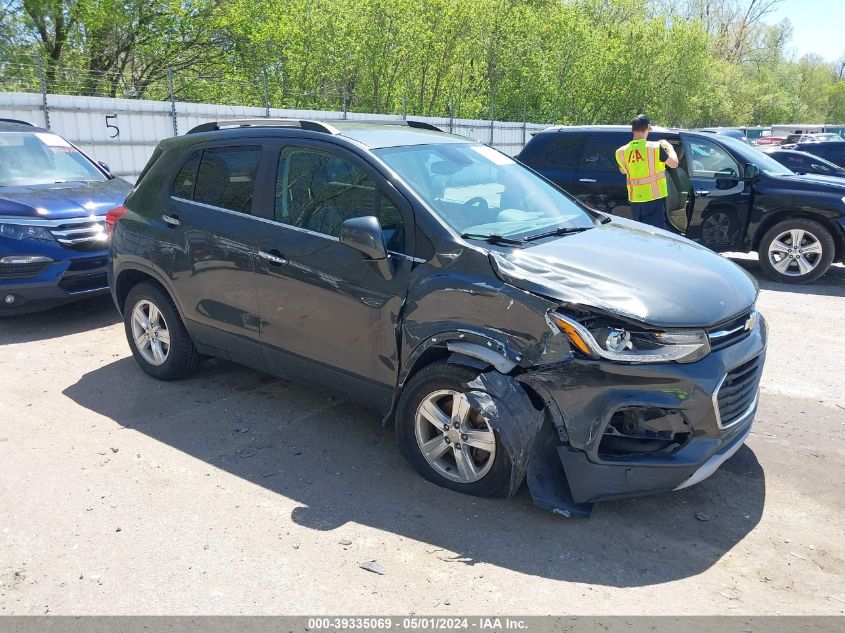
644, 164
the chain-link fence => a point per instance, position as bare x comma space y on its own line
119, 119
263, 87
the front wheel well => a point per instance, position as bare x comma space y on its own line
440, 352
830, 225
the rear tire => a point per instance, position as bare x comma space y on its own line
467, 468
157, 337
797, 251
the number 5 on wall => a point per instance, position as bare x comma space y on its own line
112, 127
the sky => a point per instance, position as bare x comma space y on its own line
818, 26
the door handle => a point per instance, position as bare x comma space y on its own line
702, 192
172, 220
273, 258
586, 180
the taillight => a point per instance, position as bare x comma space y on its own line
112, 216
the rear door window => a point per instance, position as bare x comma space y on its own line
566, 151
600, 153
226, 177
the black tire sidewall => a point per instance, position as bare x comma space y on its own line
181, 357
820, 232
443, 375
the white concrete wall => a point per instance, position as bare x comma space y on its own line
142, 124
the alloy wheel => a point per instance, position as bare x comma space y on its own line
716, 229
795, 252
150, 332
453, 437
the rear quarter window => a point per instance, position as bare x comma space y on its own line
183, 185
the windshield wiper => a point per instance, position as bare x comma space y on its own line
564, 230
493, 238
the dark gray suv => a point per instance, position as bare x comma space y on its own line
506, 330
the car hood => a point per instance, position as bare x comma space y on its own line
631, 270
60, 201
815, 182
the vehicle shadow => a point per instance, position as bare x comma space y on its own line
340, 465
71, 318
832, 284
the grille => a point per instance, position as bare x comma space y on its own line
84, 283
22, 270
738, 391
88, 235
729, 333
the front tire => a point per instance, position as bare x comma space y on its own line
157, 337
466, 458
796, 251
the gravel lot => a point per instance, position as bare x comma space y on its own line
234, 492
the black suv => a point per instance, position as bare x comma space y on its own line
724, 194
804, 162
834, 151
506, 330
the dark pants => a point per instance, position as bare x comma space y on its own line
653, 212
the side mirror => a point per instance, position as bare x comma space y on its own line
751, 171
104, 166
364, 234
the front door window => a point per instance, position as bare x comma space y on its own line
708, 160
318, 191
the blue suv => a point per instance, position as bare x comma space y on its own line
53, 201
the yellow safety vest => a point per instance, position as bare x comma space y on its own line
645, 172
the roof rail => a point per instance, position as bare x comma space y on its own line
305, 124
424, 125
17, 121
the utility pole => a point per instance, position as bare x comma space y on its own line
42, 78
172, 101
266, 95
524, 125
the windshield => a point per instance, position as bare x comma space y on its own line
38, 158
750, 154
829, 136
481, 192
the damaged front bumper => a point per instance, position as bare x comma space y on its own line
620, 430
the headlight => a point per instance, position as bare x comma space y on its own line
25, 232
598, 337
